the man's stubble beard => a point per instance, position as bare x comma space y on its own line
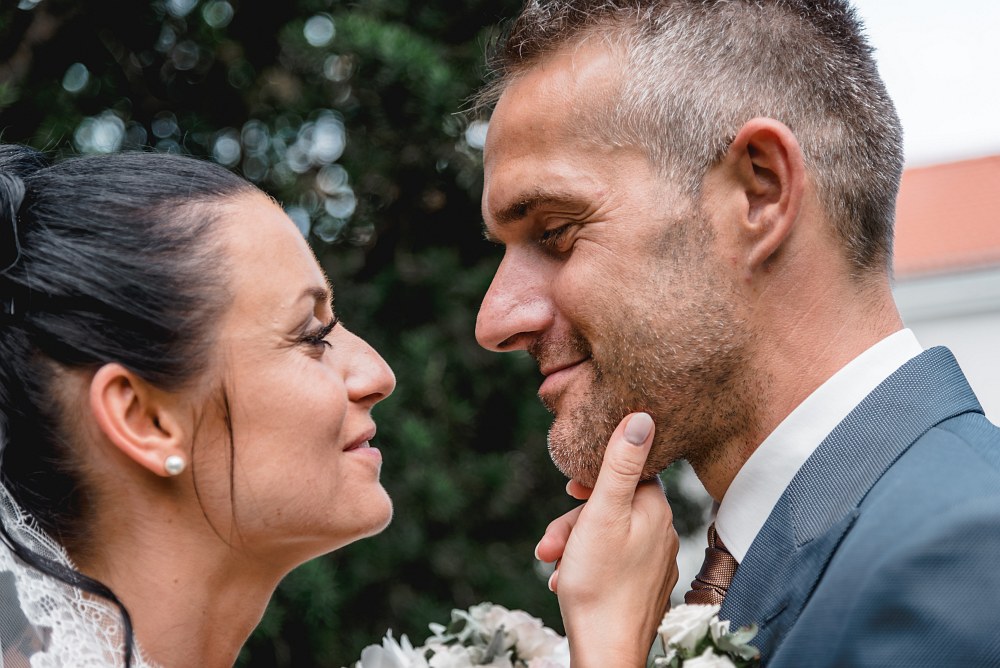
689, 369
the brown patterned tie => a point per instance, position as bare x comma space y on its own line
710, 585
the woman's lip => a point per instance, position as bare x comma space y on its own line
363, 441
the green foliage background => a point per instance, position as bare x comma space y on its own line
346, 113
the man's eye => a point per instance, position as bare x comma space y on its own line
557, 239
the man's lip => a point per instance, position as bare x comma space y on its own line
556, 368
557, 377
362, 441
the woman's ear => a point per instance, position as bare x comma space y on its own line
767, 164
138, 419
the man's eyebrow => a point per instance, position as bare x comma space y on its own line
526, 204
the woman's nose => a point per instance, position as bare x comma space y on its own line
370, 379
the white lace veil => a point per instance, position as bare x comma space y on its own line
45, 623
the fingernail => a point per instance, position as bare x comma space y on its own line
638, 428
551, 578
537, 558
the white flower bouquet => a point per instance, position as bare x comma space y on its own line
484, 635
694, 637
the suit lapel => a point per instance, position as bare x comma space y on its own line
789, 555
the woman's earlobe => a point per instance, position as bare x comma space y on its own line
135, 419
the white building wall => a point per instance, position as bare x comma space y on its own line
961, 311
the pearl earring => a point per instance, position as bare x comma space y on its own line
174, 464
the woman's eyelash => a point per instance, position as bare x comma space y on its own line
317, 337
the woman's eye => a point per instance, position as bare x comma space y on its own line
317, 337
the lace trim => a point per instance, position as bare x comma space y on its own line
45, 623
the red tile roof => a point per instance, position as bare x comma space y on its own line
948, 218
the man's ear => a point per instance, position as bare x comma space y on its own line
136, 417
767, 163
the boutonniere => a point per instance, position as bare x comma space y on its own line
693, 636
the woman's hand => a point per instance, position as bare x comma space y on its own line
617, 556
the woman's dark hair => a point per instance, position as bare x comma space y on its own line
103, 259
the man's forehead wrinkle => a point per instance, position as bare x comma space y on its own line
569, 69
582, 80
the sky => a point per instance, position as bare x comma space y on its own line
941, 64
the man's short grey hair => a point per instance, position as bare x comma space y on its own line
694, 71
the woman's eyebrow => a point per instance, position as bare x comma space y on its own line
319, 294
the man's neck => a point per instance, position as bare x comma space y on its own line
793, 362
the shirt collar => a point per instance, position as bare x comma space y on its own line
763, 478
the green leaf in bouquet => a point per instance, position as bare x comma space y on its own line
495, 647
699, 648
458, 624
737, 644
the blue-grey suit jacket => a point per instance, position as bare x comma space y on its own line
885, 548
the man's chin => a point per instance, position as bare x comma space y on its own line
573, 457
579, 456
586, 473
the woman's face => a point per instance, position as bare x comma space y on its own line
304, 479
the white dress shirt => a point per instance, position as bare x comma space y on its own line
765, 475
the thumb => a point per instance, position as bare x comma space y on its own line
623, 463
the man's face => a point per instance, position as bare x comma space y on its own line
611, 278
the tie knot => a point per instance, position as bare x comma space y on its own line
714, 540
717, 571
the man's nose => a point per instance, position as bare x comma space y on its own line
516, 308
